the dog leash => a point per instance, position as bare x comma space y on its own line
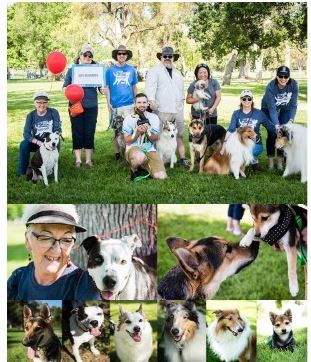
205, 114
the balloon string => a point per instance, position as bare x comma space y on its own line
53, 78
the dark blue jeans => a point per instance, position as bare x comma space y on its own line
25, 147
236, 211
284, 117
83, 129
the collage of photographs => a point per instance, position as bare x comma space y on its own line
157, 181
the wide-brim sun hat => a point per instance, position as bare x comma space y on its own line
246, 93
64, 214
122, 48
168, 51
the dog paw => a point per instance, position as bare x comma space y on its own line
245, 242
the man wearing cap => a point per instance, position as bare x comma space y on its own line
121, 80
279, 104
42, 119
49, 239
165, 91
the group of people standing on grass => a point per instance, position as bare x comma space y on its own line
161, 102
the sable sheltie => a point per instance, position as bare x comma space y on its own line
282, 337
43, 345
235, 155
184, 335
230, 336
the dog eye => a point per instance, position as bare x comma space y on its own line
128, 321
264, 218
230, 318
98, 259
36, 329
286, 322
123, 262
186, 316
140, 320
229, 249
277, 324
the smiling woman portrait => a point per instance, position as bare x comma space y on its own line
49, 238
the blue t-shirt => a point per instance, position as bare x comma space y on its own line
276, 100
254, 118
36, 125
120, 81
90, 93
86, 289
22, 285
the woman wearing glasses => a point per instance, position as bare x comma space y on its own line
83, 126
279, 104
248, 115
39, 121
212, 89
49, 238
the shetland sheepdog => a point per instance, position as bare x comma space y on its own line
235, 155
293, 140
230, 336
184, 335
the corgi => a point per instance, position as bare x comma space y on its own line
203, 265
43, 344
231, 338
133, 336
236, 154
276, 225
184, 335
282, 337
167, 144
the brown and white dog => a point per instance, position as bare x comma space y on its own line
199, 93
282, 337
235, 155
278, 226
231, 337
43, 344
203, 265
201, 138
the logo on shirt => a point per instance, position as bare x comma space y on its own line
248, 122
283, 99
45, 126
121, 77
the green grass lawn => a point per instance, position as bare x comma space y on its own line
109, 181
265, 278
265, 353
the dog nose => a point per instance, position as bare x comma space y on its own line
240, 329
257, 234
284, 331
94, 323
109, 281
26, 342
53, 144
175, 331
172, 136
136, 329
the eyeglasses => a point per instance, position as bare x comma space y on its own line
122, 53
283, 76
87, 55
167, 56
48, 241
244, 99
41, 103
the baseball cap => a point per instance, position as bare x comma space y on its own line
41, 94
87, 48
283, 70
245, 93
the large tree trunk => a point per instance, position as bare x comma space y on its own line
244, 70
115, 221
258, 64
230, 67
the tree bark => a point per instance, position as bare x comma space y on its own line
259, 62
230, 67
287, 55
244, 70
115, 221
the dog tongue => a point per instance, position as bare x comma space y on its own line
95, 331
137, 337
31, 353
108, 295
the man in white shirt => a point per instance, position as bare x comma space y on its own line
141, 131
165, 91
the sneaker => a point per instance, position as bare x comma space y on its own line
117, 156
184, 162
139, 174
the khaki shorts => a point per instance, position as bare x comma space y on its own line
179, 118
154, 163
124, 111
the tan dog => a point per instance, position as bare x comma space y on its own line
282, 337
197, 143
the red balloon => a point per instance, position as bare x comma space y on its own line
56, 62
74, 93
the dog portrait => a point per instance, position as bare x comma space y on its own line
167, 143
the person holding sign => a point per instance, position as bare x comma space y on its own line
121, 80
83, 125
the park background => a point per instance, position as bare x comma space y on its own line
243, 43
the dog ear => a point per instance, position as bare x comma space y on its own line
272, 317
132, 241
60, 135
174, 243
288, 314
45, 312
121, 311
45, 135
140, 310
190, 305
218, 313
188, 262
27, 313
89, 242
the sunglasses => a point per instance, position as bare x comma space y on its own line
88, 55
283, 76
122, 53
244, 99
167, 56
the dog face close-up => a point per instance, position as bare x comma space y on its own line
282, 324
246, 133
170, 129
283, 137
181, 321
51, 140
132, 323
264, 217
200, 85
229, 321
91, 318
196, 127
110, 262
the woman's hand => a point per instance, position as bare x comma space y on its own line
211, 110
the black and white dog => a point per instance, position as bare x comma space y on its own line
116, 273
45, 160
